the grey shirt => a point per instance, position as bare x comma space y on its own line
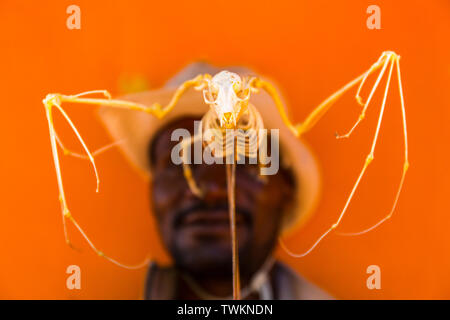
282, 283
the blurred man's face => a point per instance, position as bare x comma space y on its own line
196, 231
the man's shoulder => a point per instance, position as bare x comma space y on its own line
161, 282
289, 285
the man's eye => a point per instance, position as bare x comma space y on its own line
251, 171
169, 172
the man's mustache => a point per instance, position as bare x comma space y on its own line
196, 206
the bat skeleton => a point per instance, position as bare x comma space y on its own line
228, 96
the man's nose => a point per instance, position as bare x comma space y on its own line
212, 181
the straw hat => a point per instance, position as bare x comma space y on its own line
136, 130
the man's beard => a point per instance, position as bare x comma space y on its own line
208, 261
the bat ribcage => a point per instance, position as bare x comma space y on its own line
234, 143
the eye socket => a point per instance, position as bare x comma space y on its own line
209, 95
213, 91
237, 86
243, 94
213, 88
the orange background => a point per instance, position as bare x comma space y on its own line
310, 48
